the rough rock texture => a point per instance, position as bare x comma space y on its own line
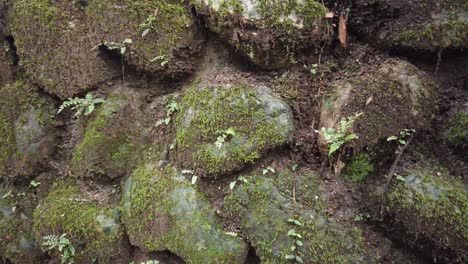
391, 97
269, 33
6, 62
17, 242
110, 141
455, 131
57, 41
264, 214
170, 44
220, 128
25, 129
162, 210
421, 25
52, 46
430, 205
92, 226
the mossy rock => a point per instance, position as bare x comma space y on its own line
269, 33
110, 141
169, 47
220, 128
391, 96
25, 128
429, 204
455, 132
163, 211
416, 25
264, 214
92, 226
54, 46
7, 68
17, 242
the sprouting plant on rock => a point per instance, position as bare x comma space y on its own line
149, 23
402, 136
162, 59
171, 108
336, 138
63, 245
224, 135
294, 256
82, 106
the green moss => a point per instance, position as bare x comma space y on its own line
104, 150
456, 131
264, 218
218, 109
7, 142
432, 206
172, 21
17, 241
358, 168
446, 31
90, 226
163, 211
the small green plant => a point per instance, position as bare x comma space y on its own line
401, 136
171, 108
297, 241
359, 168
224, 135
269, 169
362, 217
162, 59
63, 245
335, 138
148, 25
313, 68
34, 183
82, 106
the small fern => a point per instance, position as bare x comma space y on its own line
81, 105
63, 245
336, 138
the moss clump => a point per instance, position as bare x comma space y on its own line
433, 207
115, 20
163, 211
17, 241
358, 168
93, 228
448, 30
16, 100
207, 114
107, 148
7, 142
264, 216
456, 132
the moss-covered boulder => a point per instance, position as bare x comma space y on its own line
53, 46
267, 219
220, 128
163, 211
17, 242
57, 40
110, 140
388, 97
455, 131
420, 25
269, 33
26, 136
431, 205
164, 35
91, 225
